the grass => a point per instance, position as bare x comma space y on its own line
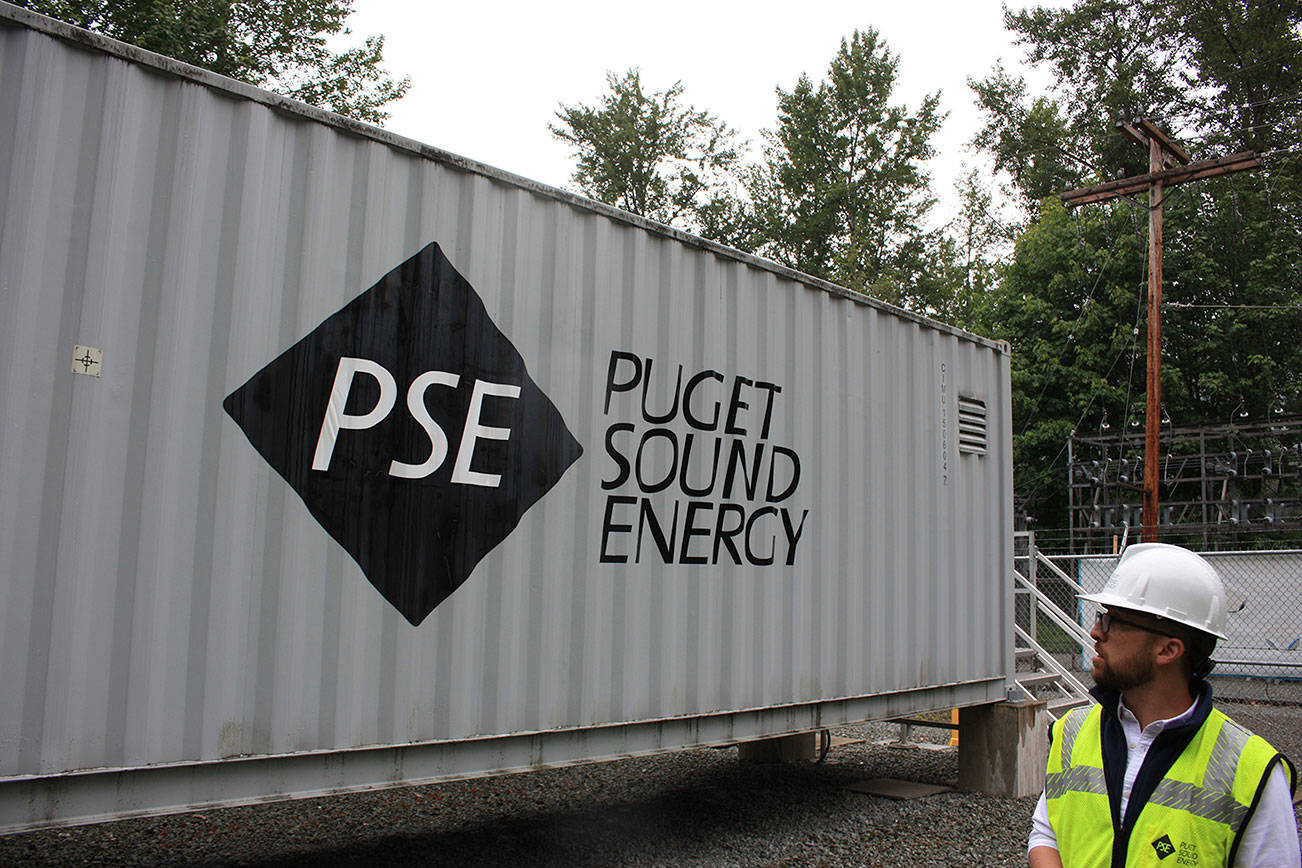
1053, 638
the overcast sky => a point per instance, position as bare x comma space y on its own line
487, 77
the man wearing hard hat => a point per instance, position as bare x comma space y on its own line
1152, 774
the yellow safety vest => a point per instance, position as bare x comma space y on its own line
1195, 815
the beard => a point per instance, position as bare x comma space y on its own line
1123, 675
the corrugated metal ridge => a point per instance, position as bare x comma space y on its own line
883, 696
17, 16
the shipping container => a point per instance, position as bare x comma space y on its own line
332, 461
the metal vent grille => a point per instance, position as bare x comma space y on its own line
972, 438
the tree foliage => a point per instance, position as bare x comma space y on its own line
842, 191
276, 44
1222, 75
970, 253
650, 154
1071, 304
1027, 138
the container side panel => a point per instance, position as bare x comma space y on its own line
765, 506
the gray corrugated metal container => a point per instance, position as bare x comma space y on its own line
177, 629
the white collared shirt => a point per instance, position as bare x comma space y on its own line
1269, 841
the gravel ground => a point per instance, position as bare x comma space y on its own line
692, 807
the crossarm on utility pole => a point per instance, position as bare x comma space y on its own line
1168, 145
1166, 177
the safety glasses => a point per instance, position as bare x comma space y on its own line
1107, 619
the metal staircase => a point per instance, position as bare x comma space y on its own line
1047, 638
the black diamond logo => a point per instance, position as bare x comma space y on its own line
1164, 847
410, 428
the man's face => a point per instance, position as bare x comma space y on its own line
1125, 655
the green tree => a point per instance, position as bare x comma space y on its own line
1027, 138
1218, 71
276, 44
975, 241
1223, 76
651, 155
842, 191
1070, 305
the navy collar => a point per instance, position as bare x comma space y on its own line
1111, 699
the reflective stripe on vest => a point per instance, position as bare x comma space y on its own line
1075, 788
1062, 776
1214, 800
1195, 812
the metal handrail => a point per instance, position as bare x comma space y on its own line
1073, 683
1282, 664
1068, 684
1058, 571
1057, 615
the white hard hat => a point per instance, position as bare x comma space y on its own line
1169, 582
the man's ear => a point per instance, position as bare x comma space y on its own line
1170, 649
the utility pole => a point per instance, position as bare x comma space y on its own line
1168, 165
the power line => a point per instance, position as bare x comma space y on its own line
1233, 131
1055, 151
1291, 149
1048, 148
1044, 476
1237, 107
1071, 335
1134, 339
1270, 59
1163, 153
1282, 307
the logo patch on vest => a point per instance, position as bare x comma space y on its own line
1164, 847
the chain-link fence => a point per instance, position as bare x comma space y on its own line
1260, 661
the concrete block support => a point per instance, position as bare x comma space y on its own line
1002, 748
783, 749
